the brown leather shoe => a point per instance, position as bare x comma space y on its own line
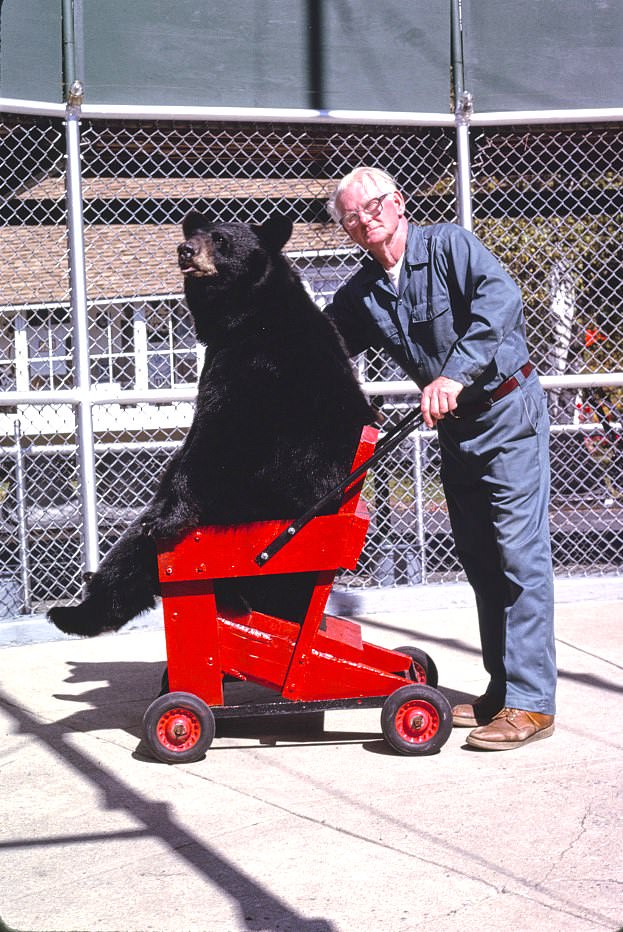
511, 728
480, 712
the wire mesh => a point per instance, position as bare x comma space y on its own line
546, 201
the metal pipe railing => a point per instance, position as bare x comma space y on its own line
188, 394
300, 115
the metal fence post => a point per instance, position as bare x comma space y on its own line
22, 520
463, 167
80, 323
419, 503
463, 107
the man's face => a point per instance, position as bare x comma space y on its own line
371, 231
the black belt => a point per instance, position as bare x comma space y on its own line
504, 388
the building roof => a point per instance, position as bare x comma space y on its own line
132, 228
121, 260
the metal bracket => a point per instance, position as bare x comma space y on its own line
464, 108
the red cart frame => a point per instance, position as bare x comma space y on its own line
321, 664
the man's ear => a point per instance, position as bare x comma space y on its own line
399, 201
275, 232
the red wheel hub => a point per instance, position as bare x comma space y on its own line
178, 729
417, 721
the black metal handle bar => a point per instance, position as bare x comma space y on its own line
388, 442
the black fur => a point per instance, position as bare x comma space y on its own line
277, 420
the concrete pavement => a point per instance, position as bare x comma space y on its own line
329, 832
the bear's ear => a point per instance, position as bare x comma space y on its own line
193, 221
275, 233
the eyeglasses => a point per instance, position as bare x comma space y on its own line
372, 209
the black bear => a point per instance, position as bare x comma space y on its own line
277, 419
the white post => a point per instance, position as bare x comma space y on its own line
141, 363
80, 321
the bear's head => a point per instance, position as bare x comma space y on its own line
230, 252
232, 272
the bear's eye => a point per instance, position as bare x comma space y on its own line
220, 241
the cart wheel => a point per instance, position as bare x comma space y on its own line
179, 728
423, 669
416, 719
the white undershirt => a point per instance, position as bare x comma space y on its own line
394, 273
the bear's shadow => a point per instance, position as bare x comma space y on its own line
121, 691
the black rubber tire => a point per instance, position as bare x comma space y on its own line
416, 719
423, 669
179, 728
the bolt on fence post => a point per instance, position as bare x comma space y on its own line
80, 329
22, 524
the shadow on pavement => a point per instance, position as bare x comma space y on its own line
259, 909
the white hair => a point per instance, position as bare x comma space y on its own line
377, 175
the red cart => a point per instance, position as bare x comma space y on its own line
319, 665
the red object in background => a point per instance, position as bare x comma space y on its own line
318, 665
593, 336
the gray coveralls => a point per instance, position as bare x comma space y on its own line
457, 313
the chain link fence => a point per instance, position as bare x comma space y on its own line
547, 201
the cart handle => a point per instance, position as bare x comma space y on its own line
388, 442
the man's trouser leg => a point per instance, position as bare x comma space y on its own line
495, 470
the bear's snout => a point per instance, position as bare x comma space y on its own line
195, 259
185, 254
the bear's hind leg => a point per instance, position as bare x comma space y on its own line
124, 586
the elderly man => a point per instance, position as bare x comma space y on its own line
441, 305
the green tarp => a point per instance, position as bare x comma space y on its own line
321, 54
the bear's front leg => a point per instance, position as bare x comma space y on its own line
171, 524
173, 510
124, 586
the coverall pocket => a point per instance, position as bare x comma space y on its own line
532, 405
431, 327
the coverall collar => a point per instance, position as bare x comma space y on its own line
416, 253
